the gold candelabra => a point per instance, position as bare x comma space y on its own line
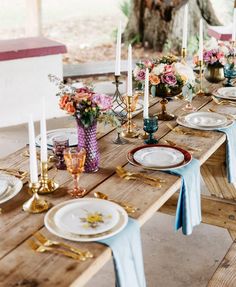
46, 185
184, 54
200, 91
129, 133
35, 204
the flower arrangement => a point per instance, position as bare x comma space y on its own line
84, 104
166, 74
213, 57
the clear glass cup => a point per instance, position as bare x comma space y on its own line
75, 159
188, 96
60, 143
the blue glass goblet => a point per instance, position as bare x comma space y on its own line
150, 125
229, 73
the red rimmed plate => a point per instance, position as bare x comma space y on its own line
187, 157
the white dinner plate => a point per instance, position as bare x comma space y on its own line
70, 133
206, 119
228, 93
14, 186
87, 217
52, 225
159, 157
3, 186
181, 121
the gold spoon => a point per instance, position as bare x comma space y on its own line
128, 207
224, 114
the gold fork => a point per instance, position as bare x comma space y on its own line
191, 133
223, 102
224, 114
171, 143
47, 243
129, 177
17, 173
125, 172
41, 249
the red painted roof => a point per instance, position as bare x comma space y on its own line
29, 47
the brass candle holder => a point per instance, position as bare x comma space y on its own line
200, 64
129, 133
46, 185
120, 111
183, 54
35, 204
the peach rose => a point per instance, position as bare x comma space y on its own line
154, 79
63, 100
70, 108
82, 96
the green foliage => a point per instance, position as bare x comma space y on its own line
109, 118
125, 7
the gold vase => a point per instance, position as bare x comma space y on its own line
214, 74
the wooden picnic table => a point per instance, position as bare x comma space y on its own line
19, 264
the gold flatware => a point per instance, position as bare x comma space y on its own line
47, 242
51, 158
224, 114
171, 143
17, 173
138, 174
41, 249
223, 102
178, 130
128, 207
147, 181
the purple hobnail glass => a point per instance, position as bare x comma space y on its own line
87, 139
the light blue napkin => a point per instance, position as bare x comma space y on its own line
127, 256
230, 152
188, 212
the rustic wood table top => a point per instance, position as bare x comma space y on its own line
19, 264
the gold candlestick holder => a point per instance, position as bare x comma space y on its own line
35, 204
129, 133
46, 185
143, 136
183, 55
200, 91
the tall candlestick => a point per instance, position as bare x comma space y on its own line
234, 26
200, 55
43, 134
32, 150
129, 84
146, 96
185, 27
118, 51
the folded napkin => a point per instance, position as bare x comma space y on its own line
127, 256
230, 133
188, 212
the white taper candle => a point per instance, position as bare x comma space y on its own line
146, 96
234, 26
118, 50
32, 150
43, 134
129, 83
200, 53
185, 27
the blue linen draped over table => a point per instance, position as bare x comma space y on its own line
188, 212
127, 256
230, 152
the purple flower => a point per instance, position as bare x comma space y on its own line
169, 79
104, 102
141, 75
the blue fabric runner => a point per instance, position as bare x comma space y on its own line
188, 212
230, 152
127, 256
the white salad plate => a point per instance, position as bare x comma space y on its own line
70, 133
3, 186
206, 119
228, 93
73, 219
181, 120
14, 186
159, 157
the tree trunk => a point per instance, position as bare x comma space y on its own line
158, 22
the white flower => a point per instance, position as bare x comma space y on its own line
159, 69
136, 71
185, 71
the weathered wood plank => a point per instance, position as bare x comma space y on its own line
225, 275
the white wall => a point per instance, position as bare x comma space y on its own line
23, 83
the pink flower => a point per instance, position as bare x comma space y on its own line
148, 64
104, 102
169, 79
168, 69
141, 75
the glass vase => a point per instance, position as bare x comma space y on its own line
87, 139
